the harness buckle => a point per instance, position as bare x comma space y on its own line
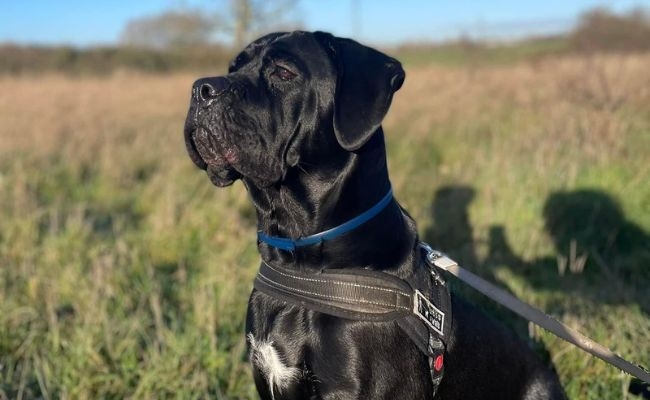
437, 259
427, 312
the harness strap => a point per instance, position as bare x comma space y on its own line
423, 313
351, 293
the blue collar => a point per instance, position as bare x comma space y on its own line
290, 244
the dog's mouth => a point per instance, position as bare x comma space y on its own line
215, 146
210, 155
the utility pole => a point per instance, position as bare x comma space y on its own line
243, 19
355, 20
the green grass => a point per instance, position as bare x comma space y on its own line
125, 274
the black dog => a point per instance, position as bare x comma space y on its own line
298, 120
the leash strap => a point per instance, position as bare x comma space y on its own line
291, 244
440, 260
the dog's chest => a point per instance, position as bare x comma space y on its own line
278, 338
272, 364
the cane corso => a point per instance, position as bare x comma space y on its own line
298, 120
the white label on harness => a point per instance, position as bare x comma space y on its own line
430, 314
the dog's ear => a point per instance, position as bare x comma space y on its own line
366, 82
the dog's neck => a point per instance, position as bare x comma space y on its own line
307, 203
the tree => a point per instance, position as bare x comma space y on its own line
255, 17
243, 20
170, 29
601, 29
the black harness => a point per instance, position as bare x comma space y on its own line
421, 309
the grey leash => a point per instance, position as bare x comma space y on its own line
532, 314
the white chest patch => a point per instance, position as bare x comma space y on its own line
265, 357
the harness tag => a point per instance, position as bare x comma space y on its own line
427, 312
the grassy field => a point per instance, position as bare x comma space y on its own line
125, 274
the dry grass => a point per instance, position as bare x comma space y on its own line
125, 274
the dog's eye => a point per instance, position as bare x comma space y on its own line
283, 73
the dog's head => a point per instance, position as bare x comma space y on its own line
288, 97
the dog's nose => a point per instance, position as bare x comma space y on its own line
208, 88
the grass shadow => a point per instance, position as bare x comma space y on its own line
452, 233
600, 255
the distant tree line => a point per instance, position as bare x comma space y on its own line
601, 29
178, 40
173, 40
17, 60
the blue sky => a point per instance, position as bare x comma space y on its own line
89, 22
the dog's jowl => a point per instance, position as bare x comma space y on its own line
335, 315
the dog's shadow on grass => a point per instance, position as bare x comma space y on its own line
600, 255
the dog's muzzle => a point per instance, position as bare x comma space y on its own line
202, 145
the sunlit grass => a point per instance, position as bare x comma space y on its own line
125, 274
